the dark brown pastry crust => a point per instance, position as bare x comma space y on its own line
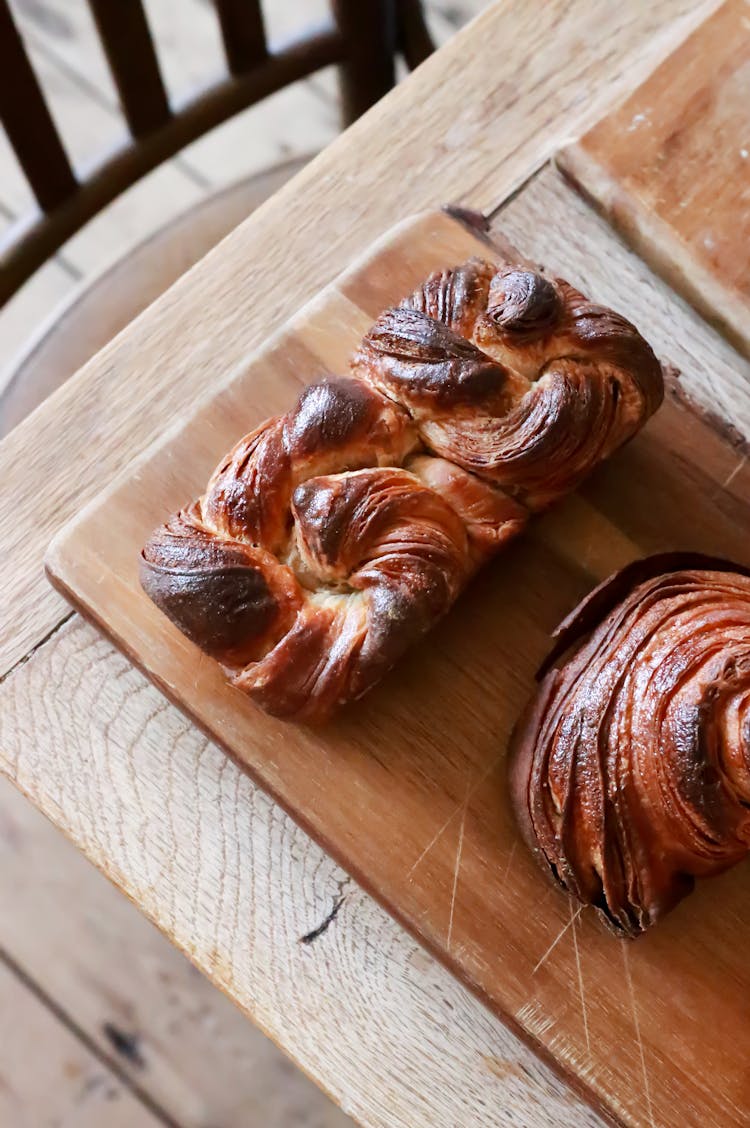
630, 768
333, 536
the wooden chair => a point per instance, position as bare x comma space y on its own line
362, 38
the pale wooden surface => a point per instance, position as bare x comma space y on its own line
338, 203
416, 1009
671, 169
203, 1060
171, 1035
48, 1077
144, 1009
413, 1036
387, 1031
406, 788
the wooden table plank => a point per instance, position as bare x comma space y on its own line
231, 879
469, 125
671, 169
236, 885
48, 1077
136, 999
406, 789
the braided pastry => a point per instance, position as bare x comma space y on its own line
333, 536
630, 770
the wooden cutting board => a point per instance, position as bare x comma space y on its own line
407, 788
671, 169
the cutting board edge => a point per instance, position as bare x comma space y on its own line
54, 557
558, 1065
57, 571
55, 568
653, 240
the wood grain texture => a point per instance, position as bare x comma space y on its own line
507, 111
363, 1009
138, 1001
236, 884
671, 169
407, 787
47, 1077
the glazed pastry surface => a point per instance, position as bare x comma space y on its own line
334, 535
630, 769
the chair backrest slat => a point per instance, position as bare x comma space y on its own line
126, 38
361, 39
243, 33
415, 41
28, 122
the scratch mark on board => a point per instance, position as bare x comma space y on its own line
740, 465
638, 1038
573, 919
459, 810
559, 937
459, 851
438, 834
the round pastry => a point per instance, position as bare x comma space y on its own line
630, 767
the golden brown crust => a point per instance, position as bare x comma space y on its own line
336, 424
630, 769
233, 599
456, 297
491, 517
334, 535
514, 376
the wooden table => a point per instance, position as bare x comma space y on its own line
377, 1023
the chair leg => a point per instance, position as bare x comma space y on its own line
368, 71
413, 36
